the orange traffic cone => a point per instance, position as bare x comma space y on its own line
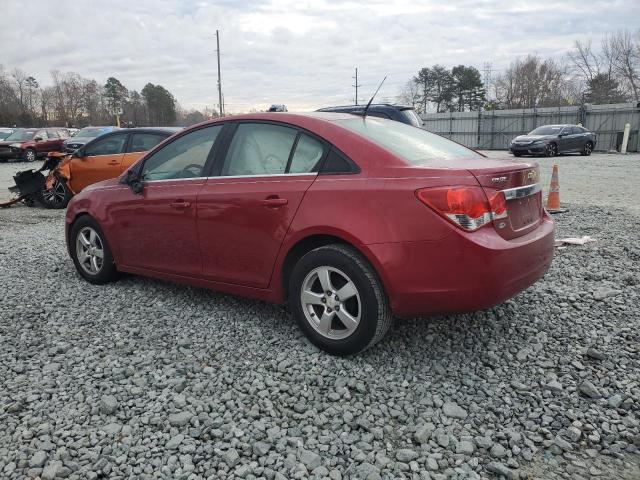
553, 200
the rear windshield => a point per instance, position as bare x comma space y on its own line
415, 145
413, 117
90, 132
547, 130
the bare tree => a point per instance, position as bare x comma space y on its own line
531, 82
409, 94
623, 51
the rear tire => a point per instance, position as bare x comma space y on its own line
340, 326
29, 155
90, 252
587, 149
517, 154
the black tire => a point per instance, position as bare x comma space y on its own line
551, 150
517, 154
587, 149
29, 155
375, 315
107, 271
57, 196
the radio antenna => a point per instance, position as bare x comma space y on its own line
364, 114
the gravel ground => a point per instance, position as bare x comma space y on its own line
146, 379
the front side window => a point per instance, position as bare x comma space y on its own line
414, 145
111, 145
259, 149
141, 142
53, 134
185, 157
42, 134
307, 156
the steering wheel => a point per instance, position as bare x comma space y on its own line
194, 168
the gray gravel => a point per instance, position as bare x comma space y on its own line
146, 379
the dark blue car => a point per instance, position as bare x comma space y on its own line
399, 113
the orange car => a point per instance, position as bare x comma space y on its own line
102, 158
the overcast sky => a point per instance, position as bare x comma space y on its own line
300, 53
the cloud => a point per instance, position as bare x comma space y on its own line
300, 53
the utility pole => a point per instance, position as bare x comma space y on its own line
356, 85
220, 104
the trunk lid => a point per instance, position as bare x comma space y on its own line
520, 183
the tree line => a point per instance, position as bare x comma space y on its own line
71, 100
608, 73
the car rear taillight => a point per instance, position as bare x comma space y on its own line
466, 207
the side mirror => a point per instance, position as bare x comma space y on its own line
79, 153
131, 178
38, 139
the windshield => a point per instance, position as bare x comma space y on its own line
90, 132
415, 145
413, 117
4, 134
547, 130
21, 135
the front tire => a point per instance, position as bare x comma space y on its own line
57, 196
29, 155
587, 149
90, 252
517, 154
338, 300
552, 150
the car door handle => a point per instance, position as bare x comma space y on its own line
179, 204
113, 163
274, 202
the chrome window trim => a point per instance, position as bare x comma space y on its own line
520, 192
219, 177
173, 179
267, 175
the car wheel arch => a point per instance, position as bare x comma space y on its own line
85, 213
310, 242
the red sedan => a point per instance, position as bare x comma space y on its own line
349, 220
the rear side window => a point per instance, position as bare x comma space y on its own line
259, 149
338, 163
307, 156
141, 142
53, 134
414, 145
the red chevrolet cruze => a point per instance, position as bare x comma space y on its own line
349, 220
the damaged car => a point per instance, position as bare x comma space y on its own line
102, 158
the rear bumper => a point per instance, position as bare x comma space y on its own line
462, 272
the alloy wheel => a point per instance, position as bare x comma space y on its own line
587, 149
30, 155
89, 250
552, 150
55, 195
331, 302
